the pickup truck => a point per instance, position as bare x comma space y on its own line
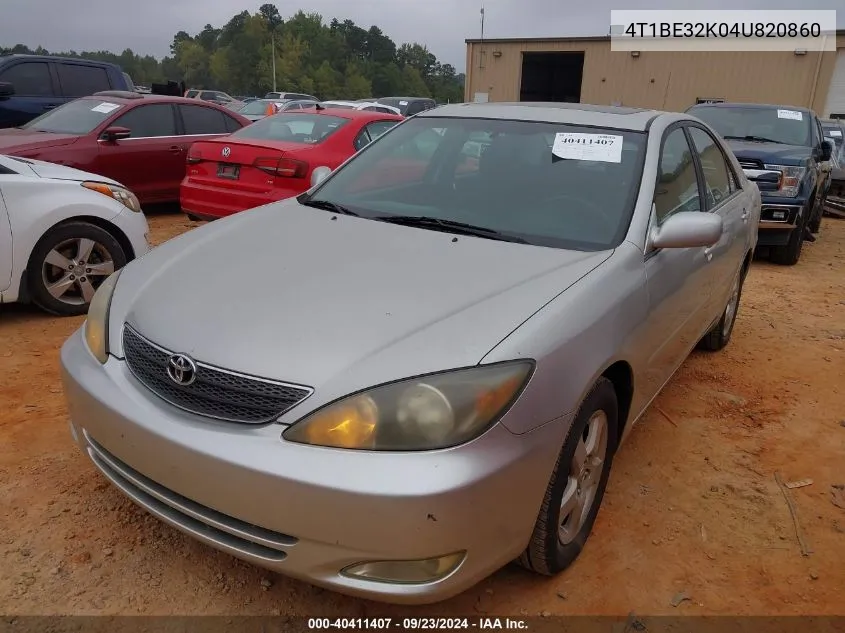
782, 149
30, 85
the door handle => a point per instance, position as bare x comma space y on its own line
745, 215
708, 254
176, 149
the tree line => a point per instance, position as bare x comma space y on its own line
332, 61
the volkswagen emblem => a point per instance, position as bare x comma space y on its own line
181, 369
227, 151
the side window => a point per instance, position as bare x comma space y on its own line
200, 120
207, 96
149, 121
80, 81
30, 79
232, 124
377, 128
677, 183
416, 107
717, 179
362, 140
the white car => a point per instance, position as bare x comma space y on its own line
369, 106
62, 232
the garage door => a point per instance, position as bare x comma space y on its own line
836, 93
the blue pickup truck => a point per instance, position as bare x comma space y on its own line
32, 84
783, 149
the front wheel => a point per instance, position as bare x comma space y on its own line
577, 485
69, 263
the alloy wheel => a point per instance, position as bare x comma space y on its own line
74, 269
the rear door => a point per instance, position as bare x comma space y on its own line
81, 80
724, 198
36, 92
151, 162
5, 240
678, 278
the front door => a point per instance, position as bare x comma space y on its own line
5, 243
151, 161
677, 278
725, 199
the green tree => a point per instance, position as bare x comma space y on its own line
413, 84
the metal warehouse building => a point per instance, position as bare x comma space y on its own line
586, 70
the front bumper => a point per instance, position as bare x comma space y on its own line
310, 512
778, 218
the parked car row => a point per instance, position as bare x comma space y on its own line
476, 307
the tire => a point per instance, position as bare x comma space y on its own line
720, 334
815, 223
63, 242
790, 254
194, 218
546, 553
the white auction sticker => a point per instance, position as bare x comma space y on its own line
605, 148
403, 103
794, 115
105, 107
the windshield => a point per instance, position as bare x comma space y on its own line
779, 125
308, 129
255, 107
77, 117
532, 182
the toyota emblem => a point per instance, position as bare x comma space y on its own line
227, 151
181, 369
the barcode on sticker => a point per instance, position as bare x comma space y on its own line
605, 148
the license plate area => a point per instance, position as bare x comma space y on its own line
228, 171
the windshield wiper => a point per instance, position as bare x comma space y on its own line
449, 226
328, 206
751, 137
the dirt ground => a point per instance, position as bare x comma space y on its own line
692, 506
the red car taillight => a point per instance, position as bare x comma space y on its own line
194, 156
283, 167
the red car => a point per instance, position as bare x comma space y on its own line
273, 158
138, 140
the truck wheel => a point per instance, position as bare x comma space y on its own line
816, 219
790, 254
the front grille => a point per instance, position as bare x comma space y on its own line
751, 164
215, 393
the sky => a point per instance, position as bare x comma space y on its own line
148, 26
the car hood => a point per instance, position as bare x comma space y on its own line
14, 141
770, 153
53, 171
292, 293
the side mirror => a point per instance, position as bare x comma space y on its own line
116, 133
827, 150
688, 229
319, 175
6, 89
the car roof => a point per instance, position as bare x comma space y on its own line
573, 113
126, 97
343, 113
739, 104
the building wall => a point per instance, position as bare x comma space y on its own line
656, 79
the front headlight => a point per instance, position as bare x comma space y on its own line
418, 414
97, 322
790, 180
121, 194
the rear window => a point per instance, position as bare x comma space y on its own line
78, 117
255, 108
293, 127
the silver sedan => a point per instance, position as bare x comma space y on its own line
421, 369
